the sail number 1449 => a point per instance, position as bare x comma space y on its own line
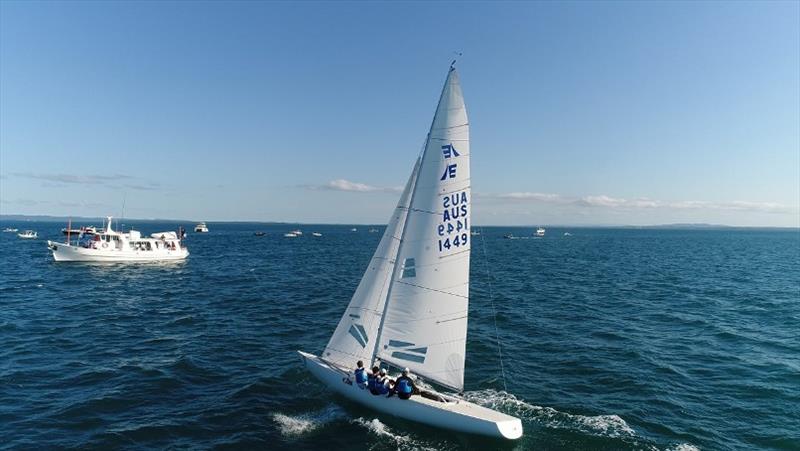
454, 227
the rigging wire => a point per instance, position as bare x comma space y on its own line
494, 310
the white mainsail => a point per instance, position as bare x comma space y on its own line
425, 321
356, 334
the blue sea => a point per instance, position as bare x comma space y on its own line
611, 339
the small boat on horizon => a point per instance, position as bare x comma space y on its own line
259, 233
540, 231
316, 234
373, 230
28, 235
201, 228
10, 230
290, 235
354, 229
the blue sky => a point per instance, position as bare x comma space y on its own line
581, 113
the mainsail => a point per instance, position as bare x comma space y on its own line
356, 334
425, 324
414, 296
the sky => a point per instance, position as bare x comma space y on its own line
585, 113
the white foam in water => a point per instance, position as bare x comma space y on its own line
294, 425
602, 425
684, 447
400, 441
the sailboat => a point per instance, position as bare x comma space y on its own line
410, 308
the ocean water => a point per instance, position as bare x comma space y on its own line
614, 339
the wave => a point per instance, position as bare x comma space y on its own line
683, 447
295, 425
601, 425
400, 441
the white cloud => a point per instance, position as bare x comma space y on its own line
541, 197
347, 185
642, 203
112, 181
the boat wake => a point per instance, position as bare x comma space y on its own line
398, 441
612, 426
296, 425
601, 425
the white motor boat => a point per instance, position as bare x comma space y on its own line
297, 232
10, 230
201, 228
316, 234
28, 235
354, 229
410, 308
290, 235
112, 246
540, 231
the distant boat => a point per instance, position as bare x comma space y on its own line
291, 235
9, 229
297, 232
201, 228
509, 237
113, 246
567, 234
354, 229
475, 233
259, 234
410, 308
28, 235
540, 231
316, 234
373, 230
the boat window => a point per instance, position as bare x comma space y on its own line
408, 268
149, 248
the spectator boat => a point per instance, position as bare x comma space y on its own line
112, 246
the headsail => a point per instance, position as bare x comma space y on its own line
425, 324
356, 334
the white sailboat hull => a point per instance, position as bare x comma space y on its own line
64, 252
457, 415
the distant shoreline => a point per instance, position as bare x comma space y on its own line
676, 226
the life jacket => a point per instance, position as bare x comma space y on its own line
372, 383
361, 376
404, 386
382, 387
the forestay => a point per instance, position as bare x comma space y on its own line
425, 323
356, 334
